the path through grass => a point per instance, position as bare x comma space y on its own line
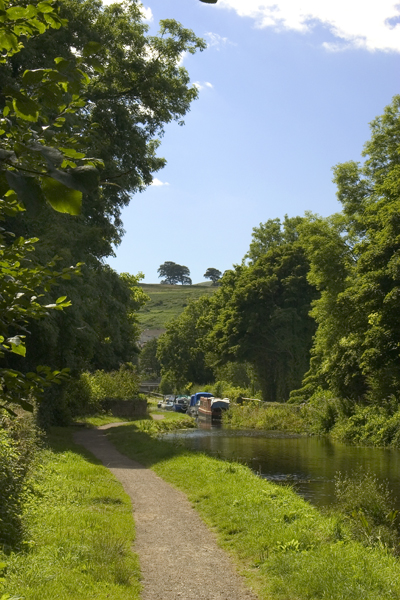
286, 548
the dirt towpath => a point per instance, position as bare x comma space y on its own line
179, 557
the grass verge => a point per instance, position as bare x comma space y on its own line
283, 545
78, 531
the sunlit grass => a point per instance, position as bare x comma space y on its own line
285, 547
167, 302
79, 532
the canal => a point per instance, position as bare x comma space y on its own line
308, 463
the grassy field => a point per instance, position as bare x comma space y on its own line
79, 532
167, 302
285, 547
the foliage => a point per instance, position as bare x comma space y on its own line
23, 285
213, 274
180, 349
120, 385
174, 273
261, 317
368, 505
34, 166
354, 264
18, 446
271, 234
149, 363
78, 531
284, 546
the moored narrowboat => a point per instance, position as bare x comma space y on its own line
212, 408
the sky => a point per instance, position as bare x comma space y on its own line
287, 90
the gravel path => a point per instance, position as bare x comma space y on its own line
179, 556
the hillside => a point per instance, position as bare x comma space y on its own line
168, 301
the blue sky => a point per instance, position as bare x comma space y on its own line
285, 94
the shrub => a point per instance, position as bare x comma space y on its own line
18, 444
324, 410
368, 505
370, 425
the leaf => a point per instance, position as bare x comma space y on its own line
91, 48
71, 153
61, 299
27, 189
62, 198
20, 12
25, 405
85, 179
52, 155
45, 7
34, 76
96, 65
8, 41
25, 108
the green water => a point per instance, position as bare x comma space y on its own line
309, 463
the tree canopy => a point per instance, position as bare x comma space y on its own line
213, 274
174, 273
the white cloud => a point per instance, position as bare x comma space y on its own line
373, 25
148, 15
200, 86
214, 40
157, 183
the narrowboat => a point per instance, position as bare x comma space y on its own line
193, 408
212, 408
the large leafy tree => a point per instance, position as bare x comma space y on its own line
262, 319
135, 86
174, 273
355, 263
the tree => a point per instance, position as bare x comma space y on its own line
213, 274
149, 363
180, 350
174, 273
261, 316
33, 171
355, 264
136, 87
132, 85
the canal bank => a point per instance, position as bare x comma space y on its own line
282, 544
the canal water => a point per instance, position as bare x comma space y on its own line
308, 463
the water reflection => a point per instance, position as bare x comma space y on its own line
309, 463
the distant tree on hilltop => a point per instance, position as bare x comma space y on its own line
213, 274
174, 273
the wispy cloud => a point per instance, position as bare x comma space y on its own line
214, 40
373, 25
157, 183
201, 85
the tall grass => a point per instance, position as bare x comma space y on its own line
78, 532
286, 549
266, 417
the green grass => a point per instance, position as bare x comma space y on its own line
78, 531
102, 419
167, 302
285, 547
